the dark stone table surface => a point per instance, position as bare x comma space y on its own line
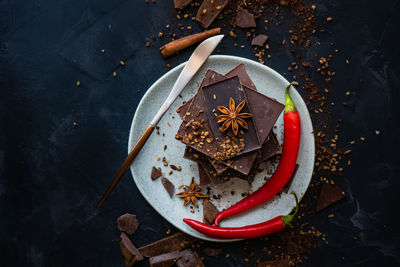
52, 173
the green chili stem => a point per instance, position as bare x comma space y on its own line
289, 218
289, 103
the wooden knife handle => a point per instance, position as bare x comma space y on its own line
127, 162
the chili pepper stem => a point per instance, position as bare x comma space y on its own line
289, 102
289, 218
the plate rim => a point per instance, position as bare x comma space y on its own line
216, 57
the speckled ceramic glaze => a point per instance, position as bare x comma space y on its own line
267, 82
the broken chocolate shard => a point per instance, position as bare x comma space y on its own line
209, 212
168, 244
330, 194
244, 19
130, 253
240, 71
212, 252
266, 110
189, 259
155, 173
259, 40
127, 223
165, 260
271, 147
181, 4
169, 187
203, 177
295, 249
208, 11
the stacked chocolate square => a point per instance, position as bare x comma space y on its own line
231, 145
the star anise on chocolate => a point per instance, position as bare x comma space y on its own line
232, 117
191, 193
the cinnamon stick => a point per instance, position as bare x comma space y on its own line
180, 44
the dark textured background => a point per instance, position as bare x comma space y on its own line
52, 174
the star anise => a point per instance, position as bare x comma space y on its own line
191, 193
232, 116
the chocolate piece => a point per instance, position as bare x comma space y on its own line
265, 109
165, 260
271, 147
203, 177
218, 94
240, 71
209, 212
127, 223
295, 249
130, 253
208, 11
212, 252
171, 243
180, 4
259, 40
189, 259
244, 19
155, 173
330, 194
168, 186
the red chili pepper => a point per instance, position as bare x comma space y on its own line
284, 171
250, 231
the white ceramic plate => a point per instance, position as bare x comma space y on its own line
267, 82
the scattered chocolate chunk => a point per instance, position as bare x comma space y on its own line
295, 249
181, 4
330, 194
173, 167
171, 243
127, 223
155, 173
168, 186
209, 212
208, 11
130, 253
212, 252
189, 259
244, 19
259, 40
165, 260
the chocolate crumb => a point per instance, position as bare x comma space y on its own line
209, 212
244, 19
127, 223
168, 186
259, 40
330, 194
155, 173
